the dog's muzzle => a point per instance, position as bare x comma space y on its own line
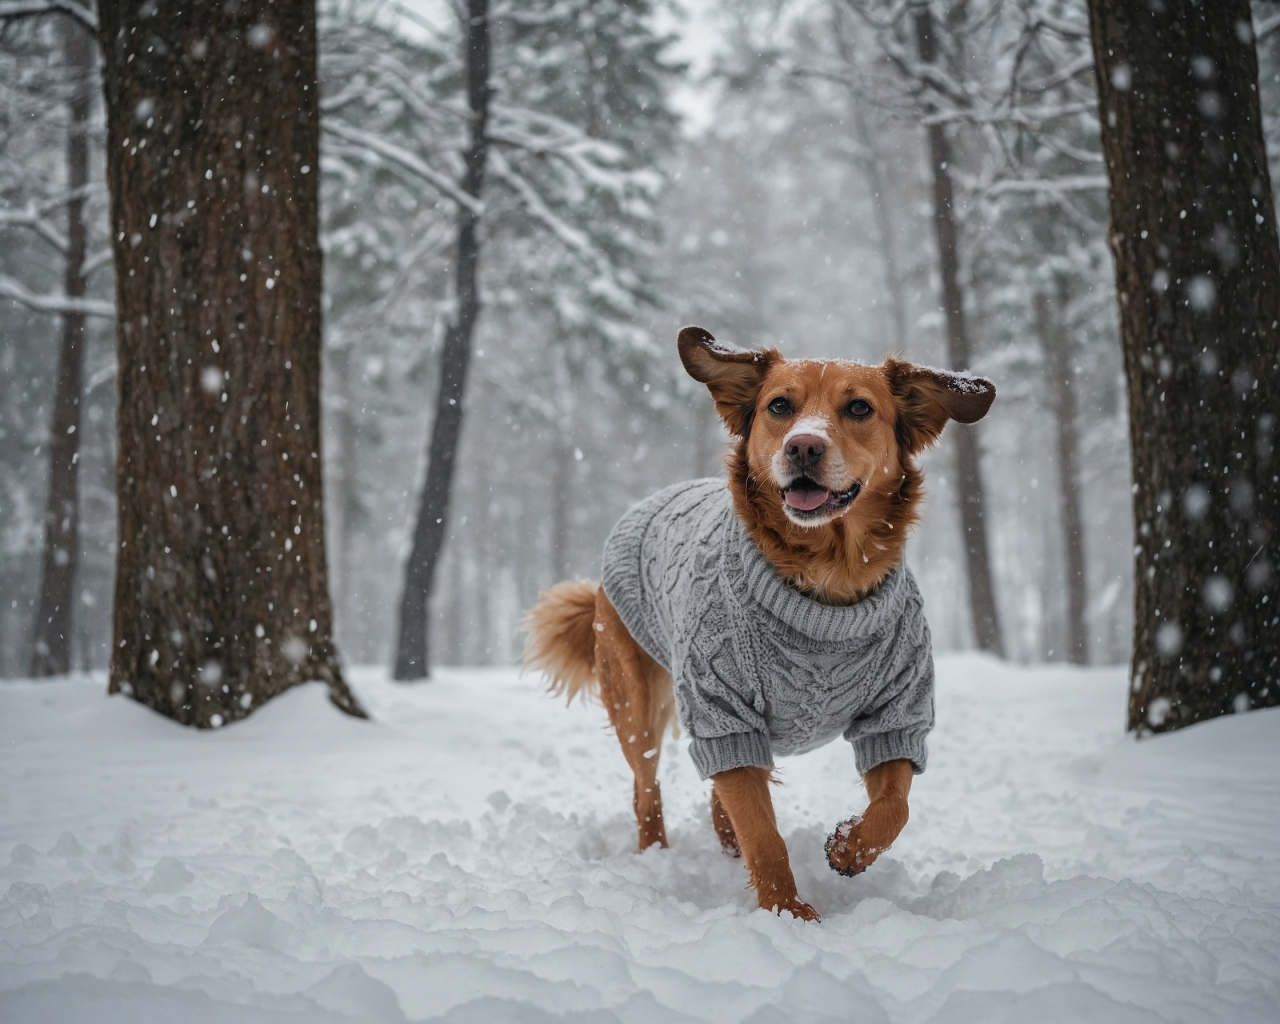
807, 499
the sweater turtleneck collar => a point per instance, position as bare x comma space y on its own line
824, 623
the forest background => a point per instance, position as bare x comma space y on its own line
760, 169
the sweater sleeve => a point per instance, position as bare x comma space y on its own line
726, 727
714, 754
896, 728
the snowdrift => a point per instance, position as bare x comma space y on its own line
469, 857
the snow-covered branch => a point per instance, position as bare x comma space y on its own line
34, 216
1062, 75
99, 259
1072, 31
1067, 183
14, 9
32, 219
1266, 26
11, 289
442, 183
533, 203
590, 159
925, 77
1029, 117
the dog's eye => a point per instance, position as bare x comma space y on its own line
780, 407
858, 409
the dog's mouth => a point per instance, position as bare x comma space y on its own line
808, 499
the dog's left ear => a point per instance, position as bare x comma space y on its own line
927, 398
732, 375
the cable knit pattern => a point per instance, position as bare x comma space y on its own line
760, 668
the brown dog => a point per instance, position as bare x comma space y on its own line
823, 478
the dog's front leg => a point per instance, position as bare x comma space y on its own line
856, 843
744, 795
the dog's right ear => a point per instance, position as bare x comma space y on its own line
732, 375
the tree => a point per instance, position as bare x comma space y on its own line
446, 426
47, 100
574, 127
596, 65
51, 649
567, 211
1055, 340
1197, 263
972, 497
221, 598
1001, 89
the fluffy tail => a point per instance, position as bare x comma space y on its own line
562, 640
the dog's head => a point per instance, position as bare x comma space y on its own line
819, 439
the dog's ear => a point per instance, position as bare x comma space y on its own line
927, 398
732, 375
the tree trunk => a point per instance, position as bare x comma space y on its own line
1193, 233
1055, 340
561, 485
343, 481
51, 651
221, 597
412, 646
982, 599
484, 580
869, 158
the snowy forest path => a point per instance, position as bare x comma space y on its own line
469, 854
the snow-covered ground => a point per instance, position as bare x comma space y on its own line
469, 856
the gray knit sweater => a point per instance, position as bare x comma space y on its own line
759, 667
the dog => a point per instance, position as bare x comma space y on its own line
772, 612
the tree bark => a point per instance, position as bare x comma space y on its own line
52, 636
221, 597
1193, 234
1055, 340
982, 600
412, 646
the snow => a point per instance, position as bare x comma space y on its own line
468, 856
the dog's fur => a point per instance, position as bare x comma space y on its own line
803, 429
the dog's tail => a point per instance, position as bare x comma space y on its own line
562, 640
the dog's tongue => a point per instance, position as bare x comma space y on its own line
805, 500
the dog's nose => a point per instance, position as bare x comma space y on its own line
804, 450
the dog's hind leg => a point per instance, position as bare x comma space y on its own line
636, 692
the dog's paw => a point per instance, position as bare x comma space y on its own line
843, 849
798, 909
857, 843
